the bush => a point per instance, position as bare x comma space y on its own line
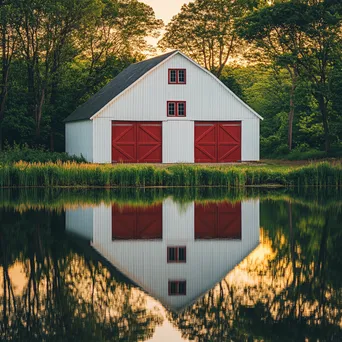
39, 155
272, 146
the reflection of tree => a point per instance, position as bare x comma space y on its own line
66, 296
58, 199
293, 294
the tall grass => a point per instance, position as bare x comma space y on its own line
72, 174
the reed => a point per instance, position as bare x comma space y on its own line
72, 174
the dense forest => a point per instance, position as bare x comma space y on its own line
283, 58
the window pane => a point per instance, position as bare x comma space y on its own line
181, 76
173, 76
172, 254
173, 287
171, 109
181, 254
182, 287
181, 109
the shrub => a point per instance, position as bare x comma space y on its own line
24, 153
269, 144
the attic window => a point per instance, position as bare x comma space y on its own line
177, 287
176, 254
176, 108
177, 76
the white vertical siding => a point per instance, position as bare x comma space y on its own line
80, 222
79, 139
206, 100
178, 141
250, 215
250, 140
102, 223
178, 221
102, 140
145, 261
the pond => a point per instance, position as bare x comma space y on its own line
200, 264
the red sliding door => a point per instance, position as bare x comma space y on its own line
218, 221
136, 142
217, 142
137, 223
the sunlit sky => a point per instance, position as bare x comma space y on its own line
165, 9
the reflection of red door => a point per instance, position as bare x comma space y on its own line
217, 142
137, 223
218, 221
136, 142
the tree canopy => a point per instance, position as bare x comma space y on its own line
281, 57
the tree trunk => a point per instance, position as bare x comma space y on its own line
324, 112
52, 141
5, 71
292, 109
1, 142
31, 90
38, 113
290, 121
3, 98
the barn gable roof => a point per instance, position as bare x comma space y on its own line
115, 87
127, 78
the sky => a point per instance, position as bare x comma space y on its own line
165, 9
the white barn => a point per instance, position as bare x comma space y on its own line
167, 109
174, 253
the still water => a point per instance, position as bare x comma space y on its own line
170, 265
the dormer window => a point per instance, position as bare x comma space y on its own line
177, 76
176, 108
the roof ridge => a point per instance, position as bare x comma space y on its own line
158, 56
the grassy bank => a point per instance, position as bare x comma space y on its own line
92, 175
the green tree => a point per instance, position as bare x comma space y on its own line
59, 53
8, 46
307, 35
205, 31
274, 43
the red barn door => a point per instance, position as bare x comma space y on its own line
217, 142
137, 223
136, 142
218, 221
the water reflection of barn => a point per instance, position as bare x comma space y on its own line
174, 252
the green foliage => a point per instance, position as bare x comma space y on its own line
58, 53
24, 153
205, 31
289, 35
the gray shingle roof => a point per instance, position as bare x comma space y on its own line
122, 81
